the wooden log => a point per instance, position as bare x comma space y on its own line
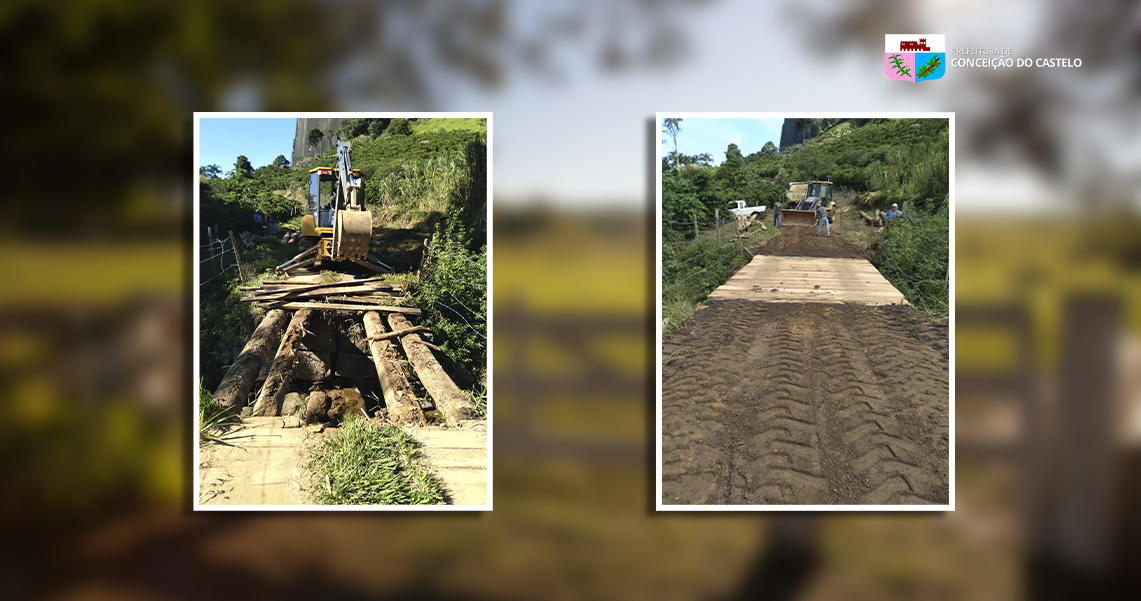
403, 409
345, 307
236, 385
397, 333
452, 402
281, 372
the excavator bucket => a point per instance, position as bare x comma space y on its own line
797, 217
352, 234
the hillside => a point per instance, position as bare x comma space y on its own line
423, 181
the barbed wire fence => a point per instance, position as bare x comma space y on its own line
914, 255
693, 268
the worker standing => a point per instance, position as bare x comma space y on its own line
822, 219
776, 214
272, 225
893, 213
259, 225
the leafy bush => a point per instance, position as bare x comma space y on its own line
399, 127
452, 289
914, 255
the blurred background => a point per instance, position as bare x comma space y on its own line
95, 322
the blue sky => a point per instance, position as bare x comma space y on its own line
221, 140
701, 135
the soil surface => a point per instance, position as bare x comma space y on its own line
800, 241
805, 403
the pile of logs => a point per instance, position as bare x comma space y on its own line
371, 294
875, 221
275, 343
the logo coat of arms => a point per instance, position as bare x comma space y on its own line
915, 57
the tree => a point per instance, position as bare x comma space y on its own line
315, 136
280, 161
242, 166
210, 171
671, 127
399, 127
732, 173
376, 127
769, 148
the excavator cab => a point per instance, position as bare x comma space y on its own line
322, 197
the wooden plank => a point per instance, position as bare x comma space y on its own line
365, 300
299, 286
809, 279
346, 307
300, 294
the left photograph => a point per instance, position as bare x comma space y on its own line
342, 311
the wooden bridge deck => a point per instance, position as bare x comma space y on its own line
809, 280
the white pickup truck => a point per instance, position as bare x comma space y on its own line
741, 209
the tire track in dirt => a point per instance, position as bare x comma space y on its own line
805, 404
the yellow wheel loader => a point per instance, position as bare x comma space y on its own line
335, 227
803, 198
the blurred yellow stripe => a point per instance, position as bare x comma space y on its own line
71, 273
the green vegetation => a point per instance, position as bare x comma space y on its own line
900, 68
913, 257
479, 399
366, 464
434, 181
399, 127
872, 162
931, 66
692, 269
426, 126
452, 291
213, 420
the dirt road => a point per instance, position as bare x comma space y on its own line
790, 403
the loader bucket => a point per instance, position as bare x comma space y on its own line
795, 217
352, 234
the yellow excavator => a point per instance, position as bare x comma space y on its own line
336, 226
803, 199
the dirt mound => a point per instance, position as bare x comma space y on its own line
781, 403
796, 241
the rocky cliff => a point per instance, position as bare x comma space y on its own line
303, 152
790, 136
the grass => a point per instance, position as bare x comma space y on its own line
213, 419
694, 269
479, 399
423, 126
366, 464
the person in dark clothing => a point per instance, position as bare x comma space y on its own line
776, 214
822, 219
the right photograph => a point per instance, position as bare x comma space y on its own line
805, 305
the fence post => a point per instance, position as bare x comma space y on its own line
695, 227
717, 220
233, 241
